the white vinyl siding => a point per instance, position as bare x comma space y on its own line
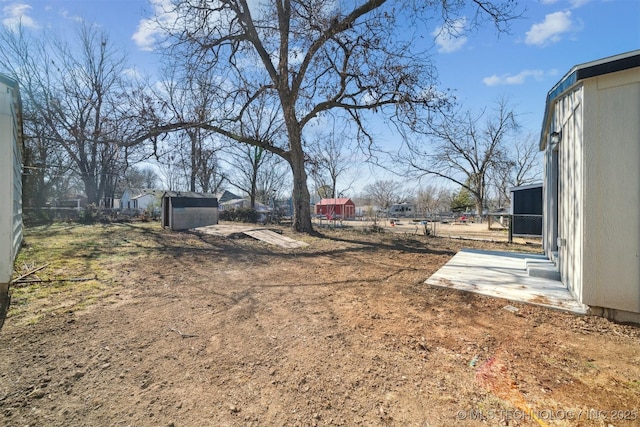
10, 181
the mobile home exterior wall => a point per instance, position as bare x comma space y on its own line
10, 183
402, 210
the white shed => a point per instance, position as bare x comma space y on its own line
10, 183
591, 142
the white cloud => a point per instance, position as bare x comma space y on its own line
517, 79
578, 3
15, 14
550, 29
149, 30
66, 15
132, 73
450, 38
146, 34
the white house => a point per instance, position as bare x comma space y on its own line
591, 142
10, 183
136, 199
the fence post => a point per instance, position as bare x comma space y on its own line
510, 228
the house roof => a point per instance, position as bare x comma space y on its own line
226, 195
612, 64
259, 207
137, 193
339, 201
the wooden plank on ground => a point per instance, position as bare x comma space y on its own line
226, 230
257, 232
275, 239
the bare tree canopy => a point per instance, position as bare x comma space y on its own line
431, 200
74, 95
257, 172
384, 193
520, 166
305, 58
330, 156
191, 98
465, 149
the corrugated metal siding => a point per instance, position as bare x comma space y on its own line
17, 183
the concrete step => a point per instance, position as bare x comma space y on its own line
545, 273
543, 268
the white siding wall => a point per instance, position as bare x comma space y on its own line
10, 183
549, 205
126, 202
568, 116
612, 199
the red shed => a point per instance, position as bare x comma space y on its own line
336, 208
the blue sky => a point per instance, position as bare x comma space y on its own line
550, 38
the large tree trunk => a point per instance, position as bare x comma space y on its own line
91, 189
479, 208
301, 198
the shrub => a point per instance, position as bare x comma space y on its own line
89, 215
239, 215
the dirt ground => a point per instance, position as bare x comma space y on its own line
454, 229
180, 329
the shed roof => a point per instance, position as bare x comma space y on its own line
338, 201
194, 202
525, 187
611, 64
191, 194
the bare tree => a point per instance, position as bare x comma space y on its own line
520, 166
254, 175
253, 162
272, 182
191, 98
466, 149
431, 199
136, 177
308, 57
74, 95
45, 168
384, 193
328, 160
172, 173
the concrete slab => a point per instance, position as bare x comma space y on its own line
504, 275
